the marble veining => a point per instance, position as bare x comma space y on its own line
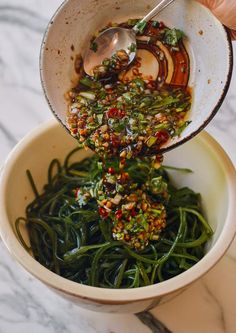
26, 305
22, 17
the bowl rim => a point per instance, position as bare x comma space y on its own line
116, 296
191, 135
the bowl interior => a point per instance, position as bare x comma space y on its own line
208, 46
213, 177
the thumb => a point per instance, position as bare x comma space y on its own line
224, 10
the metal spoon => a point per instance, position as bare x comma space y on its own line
114, 39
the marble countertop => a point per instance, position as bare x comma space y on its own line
25, 304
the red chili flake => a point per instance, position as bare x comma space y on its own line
127, 237
111, 171
122, 161
81, 124
116, 113
161, 25
119, 214
124, 177
75, 131
77, 190
133, 213
162, 136
135, 71
115, 141
103, 212
151, 84
83, 132
159, 158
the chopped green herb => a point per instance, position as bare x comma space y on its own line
132, 22
133, 47
139, 83
173, 36
94, 46
179, 130
141, 26
155, 24
86, 81
151, 141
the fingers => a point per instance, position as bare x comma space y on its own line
212, 4
226, 13
224, 10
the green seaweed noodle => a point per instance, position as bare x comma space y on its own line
71, 239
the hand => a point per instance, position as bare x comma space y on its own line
225, 11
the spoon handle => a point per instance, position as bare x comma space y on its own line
156, 10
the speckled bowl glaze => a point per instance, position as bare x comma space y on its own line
214, 177
208, 45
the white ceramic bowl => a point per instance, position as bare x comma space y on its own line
214, 177
208, 45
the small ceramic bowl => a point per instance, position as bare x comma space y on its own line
214, 177
208, 44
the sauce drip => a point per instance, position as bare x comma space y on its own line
132, 114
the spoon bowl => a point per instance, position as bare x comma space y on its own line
108, 43
112, 40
